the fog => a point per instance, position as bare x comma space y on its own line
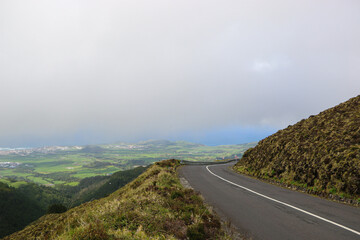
76, 71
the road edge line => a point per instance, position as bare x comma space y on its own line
283, 203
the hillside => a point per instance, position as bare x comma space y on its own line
16, 210
28, 201
153, 206
101, 186
320, 154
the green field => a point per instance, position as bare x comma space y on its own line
70, 166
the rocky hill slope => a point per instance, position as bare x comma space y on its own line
320, 154
153, 206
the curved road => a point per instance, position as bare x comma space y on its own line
265, 211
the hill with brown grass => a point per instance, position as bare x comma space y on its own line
320, 154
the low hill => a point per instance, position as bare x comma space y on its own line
320, 154
92, 149
157, 143
153, 206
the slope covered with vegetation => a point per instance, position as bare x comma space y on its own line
153, 206
16, 210
101, 186
320, 154
29, 201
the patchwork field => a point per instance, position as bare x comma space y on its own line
68, 165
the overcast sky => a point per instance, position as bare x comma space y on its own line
77, 72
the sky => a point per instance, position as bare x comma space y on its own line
214, 72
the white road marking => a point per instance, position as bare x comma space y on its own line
286, 204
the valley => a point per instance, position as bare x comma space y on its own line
53, 166
34, 179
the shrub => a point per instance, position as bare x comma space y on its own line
56, 208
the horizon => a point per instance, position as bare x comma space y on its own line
2, 148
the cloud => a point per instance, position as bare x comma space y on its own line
275, 64
260, 66
133, 69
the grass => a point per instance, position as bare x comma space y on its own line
13, 184
153, 206
72, 184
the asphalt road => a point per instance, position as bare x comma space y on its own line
265, 211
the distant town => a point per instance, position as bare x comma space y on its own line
53, 149
9, 164
27, 151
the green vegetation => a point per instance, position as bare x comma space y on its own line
320, 154
69, 166
56, 208
29, 201
153, 206
16, 210
100, 186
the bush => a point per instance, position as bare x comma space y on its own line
56, 208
